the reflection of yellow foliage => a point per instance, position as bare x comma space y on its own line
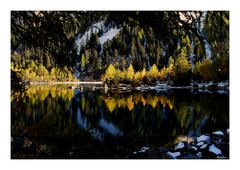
83, 103
110, 103
69, 94
143, 101
162, 100
53, 92
63, 92
122, 103
40, 93
183, 114
130, 103
170, 104
137, 98
131, 100
152, 100
165, 101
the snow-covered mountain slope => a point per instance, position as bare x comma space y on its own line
109, 35
82, 39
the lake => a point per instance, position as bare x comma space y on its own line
59, 122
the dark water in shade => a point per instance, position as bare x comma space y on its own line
56, 122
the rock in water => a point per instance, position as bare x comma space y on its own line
174, 154
194, 148
203, 146
203, 138
144, 149
200, 144
199, 154
219, 133
179, 146
215, 150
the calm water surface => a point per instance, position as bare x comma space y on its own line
56, 122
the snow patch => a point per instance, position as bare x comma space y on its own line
215, 150
204, 146
200, 144
109, 35
82, 39
199, 154
219, 133
144, 149
203, 138
194, 148
174, 154
179, 146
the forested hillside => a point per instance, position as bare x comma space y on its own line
120, 46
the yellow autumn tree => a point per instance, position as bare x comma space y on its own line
130, 73
170, 71
153, 73
137, 77
109, 74
122, 75
163, 73
143, 73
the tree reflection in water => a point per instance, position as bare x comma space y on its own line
55, 112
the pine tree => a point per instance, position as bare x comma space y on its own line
130, 72
83, 62
207, 71
109, 74
153, 73
182, 69
196, 70
133, 49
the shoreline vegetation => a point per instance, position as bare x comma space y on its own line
138, 54
126, 80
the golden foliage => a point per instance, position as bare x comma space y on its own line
152, 101
110, 73
182, 64
40, 93
121, 103
163, 73
130, 72
130, 103
110, 103
153, 72
143, 73
137, 77
136, 99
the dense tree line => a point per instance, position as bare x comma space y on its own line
146, 39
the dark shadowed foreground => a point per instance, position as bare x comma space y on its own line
58, 122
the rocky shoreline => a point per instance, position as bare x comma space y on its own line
206, 146
220, 87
